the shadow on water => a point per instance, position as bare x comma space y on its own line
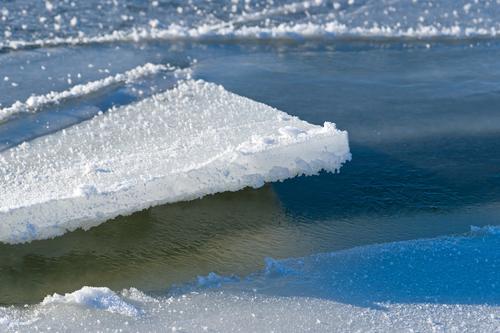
377, 184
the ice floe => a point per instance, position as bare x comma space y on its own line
187, 142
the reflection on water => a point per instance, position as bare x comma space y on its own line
229, 233
151, 249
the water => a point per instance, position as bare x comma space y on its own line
423, 123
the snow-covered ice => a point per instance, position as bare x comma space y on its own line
446, 284
190, 141
281, 19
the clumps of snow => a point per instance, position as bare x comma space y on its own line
135, 295
291, 132
95, 298
6, 319
287, 31
34, 103
187, 142
213, 280
262, 20
12, 319
277, 268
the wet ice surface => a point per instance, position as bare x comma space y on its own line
447, 284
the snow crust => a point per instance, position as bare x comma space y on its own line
193, 140
446, 284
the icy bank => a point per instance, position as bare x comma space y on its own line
446, 284
193, 140
285, 31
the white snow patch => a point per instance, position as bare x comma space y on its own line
94, 298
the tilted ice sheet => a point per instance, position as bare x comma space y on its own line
193, 140
446, 284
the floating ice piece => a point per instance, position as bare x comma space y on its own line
33, 103
193, 140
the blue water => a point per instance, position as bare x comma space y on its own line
421, 112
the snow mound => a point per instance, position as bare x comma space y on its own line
95, 298
271, 20
193, 140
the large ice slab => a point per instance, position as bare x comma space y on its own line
193, 140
